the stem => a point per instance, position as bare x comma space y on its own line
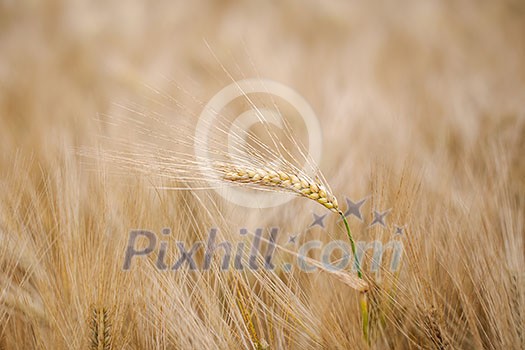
363, 302
352, 244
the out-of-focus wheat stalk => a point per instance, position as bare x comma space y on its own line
100, 326
241, 296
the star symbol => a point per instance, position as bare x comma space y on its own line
291, 239
354, 208
318, 220
399, 230
379, 218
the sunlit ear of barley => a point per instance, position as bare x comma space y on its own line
296, 183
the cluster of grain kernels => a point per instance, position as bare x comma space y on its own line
306, 188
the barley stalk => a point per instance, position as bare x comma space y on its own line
516, 307
311, 189
100, 329
431, 321
241, 296
21, 301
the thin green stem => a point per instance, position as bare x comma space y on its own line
363, 302
352, 244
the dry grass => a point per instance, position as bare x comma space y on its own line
421, 109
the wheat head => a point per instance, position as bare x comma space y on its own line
100, 329
295, 183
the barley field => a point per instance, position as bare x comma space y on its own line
419, 144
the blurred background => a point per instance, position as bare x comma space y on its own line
428, 72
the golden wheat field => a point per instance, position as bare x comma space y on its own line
131, 219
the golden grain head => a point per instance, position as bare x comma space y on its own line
100, 329
295, 183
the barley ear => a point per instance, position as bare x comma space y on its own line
100, 327
291, 182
